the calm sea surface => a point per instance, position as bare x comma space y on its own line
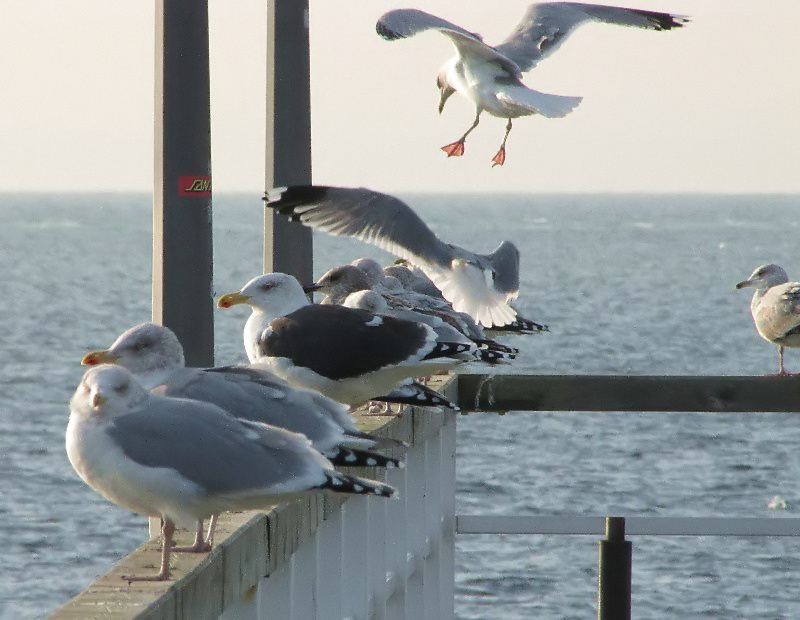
635, 284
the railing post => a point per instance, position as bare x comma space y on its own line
614, 573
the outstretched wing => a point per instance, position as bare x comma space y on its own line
544, 27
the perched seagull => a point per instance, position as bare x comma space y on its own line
348, 355
491, 77
775, 308
184, 460
374, 302
154, 355
482, 285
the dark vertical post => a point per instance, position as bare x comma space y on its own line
614, 573
287, 245
182, 239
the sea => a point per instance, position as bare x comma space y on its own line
628, 283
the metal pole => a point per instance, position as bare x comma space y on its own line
182, 239
287, 245
614, 573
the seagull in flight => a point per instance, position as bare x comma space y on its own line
481, 285
491, 76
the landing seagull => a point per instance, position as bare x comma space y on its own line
775, 308
481, 285
184, 460
491, 77
349, 355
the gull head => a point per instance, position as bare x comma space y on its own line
765, 277
340, 281
370, 301
105, 391
142, 349
275, 294
445, 90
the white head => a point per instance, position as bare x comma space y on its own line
765, 277
273, 294
367, 300
106, 391
149, 351
371, 268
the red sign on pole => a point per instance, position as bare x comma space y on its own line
194, 185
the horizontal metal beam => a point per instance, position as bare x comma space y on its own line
501, 393
641, 526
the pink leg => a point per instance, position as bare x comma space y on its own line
456, 149
167, 530
500, 157
199, 545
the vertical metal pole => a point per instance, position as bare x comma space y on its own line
614, 573
287, 245
182, 238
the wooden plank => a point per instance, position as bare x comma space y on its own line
501, 393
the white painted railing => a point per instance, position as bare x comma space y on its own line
376, 558
323, 557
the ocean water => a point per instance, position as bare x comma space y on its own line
639, 284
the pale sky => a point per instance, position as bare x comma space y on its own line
709, 107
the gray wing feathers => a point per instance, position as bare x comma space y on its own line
403, 23
378, 219
544, 27
210, 448
504, 262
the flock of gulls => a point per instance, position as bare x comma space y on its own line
186, 444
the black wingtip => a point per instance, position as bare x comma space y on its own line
342, 483
285, 199
351, 457
385, 32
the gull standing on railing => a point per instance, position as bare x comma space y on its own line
349, 355
184, 460
491, 77
775, 308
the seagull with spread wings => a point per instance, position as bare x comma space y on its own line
491, 76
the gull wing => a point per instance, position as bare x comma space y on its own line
404, 23
545, 26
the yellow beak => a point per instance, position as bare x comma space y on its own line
94, 358
232, 299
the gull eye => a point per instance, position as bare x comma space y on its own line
121, 388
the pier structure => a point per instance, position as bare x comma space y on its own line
326, 557
330, 558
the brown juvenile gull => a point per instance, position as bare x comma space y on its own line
184, 460
775, 308
491, 77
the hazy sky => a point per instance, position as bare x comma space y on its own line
710, 107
